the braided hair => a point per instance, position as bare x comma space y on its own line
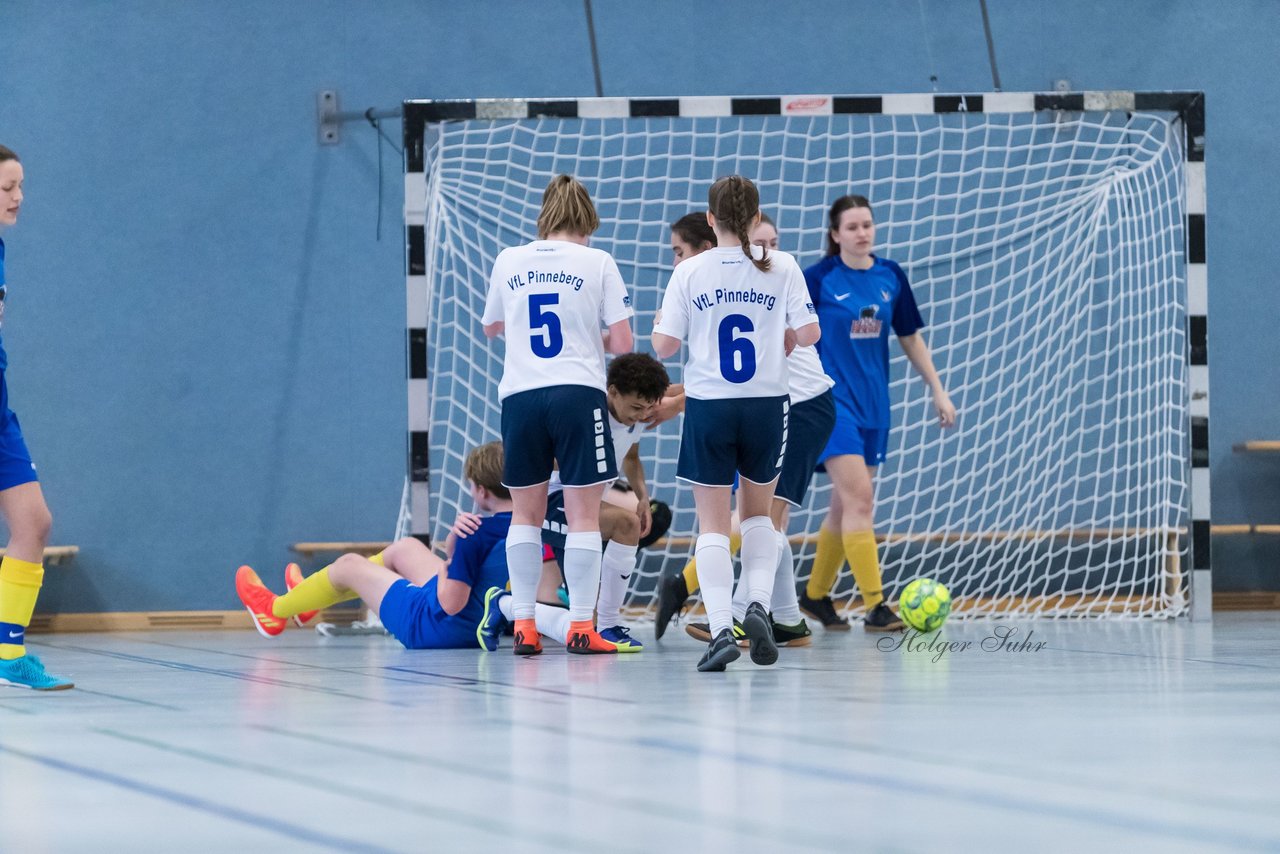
734, 202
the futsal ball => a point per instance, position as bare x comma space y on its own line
925, 605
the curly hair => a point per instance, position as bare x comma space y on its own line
640, 374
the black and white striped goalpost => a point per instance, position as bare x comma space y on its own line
1189, 108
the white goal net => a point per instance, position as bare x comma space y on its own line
1046, 251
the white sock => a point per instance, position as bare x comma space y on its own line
553, 622
786, 608
715, 577
504, 605
615, 575
582, 573
759, 556
524, 565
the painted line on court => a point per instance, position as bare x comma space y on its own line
484, 822
231, 674
472, 684
555, 691
985, 764
1151, 657
124, 699
294, 832
1180, 831
736, 824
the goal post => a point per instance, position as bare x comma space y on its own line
1055, 243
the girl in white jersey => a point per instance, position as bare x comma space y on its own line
741, 311
809, 426
550, 299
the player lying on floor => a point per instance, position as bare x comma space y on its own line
635, 383
424, 601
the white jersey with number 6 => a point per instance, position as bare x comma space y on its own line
735, 317
554, 296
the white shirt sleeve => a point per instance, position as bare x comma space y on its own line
493, 310
673, 319
617, 303
800, 311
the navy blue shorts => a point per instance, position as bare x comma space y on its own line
562, 424
808, 429
16, 467
555, 526
723, 438
413, 617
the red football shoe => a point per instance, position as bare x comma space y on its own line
257, 601
527, 640
584, 640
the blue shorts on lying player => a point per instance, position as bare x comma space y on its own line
414, 615
725, 437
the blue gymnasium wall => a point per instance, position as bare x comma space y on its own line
206, 339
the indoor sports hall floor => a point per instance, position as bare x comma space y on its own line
1113, 736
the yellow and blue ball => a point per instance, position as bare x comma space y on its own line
925, 605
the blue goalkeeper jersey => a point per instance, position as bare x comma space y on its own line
856, 310
4, 358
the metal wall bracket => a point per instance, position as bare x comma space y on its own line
327, 117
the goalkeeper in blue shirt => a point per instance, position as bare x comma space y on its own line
860, 299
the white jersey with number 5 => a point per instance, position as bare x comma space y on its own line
554, 296
735, 317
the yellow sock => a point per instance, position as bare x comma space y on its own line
314, 593
20, 582
691, 577
860, 549
826, 565
691, 570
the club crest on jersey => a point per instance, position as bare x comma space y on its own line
867, 325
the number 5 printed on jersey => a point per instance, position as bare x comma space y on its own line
548, 344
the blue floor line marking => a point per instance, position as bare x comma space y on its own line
1181, 832
124, 699
477, 681
294, 832
1151, 657
231, 674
